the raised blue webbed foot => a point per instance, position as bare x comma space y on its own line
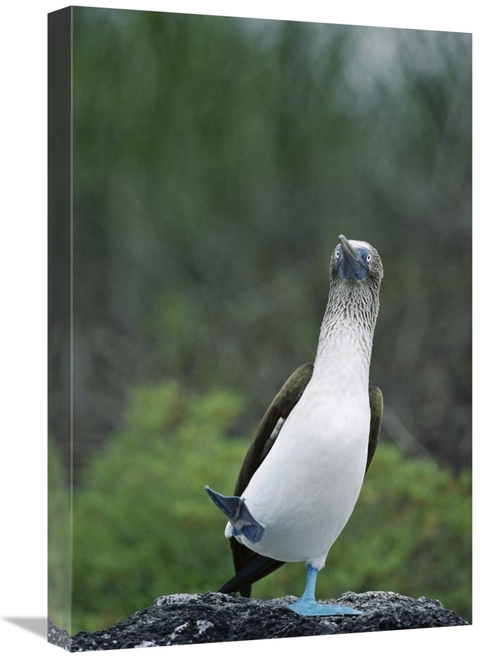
309, 607
239, 516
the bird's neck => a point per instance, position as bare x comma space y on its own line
346, 336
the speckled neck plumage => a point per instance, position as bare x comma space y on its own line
348, 325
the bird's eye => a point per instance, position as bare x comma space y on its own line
337, 253
368, 258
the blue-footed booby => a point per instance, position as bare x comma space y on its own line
303, 473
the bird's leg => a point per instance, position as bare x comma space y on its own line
307, 604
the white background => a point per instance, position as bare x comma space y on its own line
23, 316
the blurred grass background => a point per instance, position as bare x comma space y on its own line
215, 162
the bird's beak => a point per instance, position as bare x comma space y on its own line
351, 267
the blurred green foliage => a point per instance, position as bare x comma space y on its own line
58, 541
144, 526
215, 162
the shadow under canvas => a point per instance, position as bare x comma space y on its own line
37, 625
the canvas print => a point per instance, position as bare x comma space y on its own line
259, 329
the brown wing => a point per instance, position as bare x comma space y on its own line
269, 426
250, 566
377, 411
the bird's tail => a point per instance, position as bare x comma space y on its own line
250, 567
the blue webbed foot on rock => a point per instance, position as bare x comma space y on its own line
309, 607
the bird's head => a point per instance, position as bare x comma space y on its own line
356, 261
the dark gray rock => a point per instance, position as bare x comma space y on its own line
57, 636
211, 617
